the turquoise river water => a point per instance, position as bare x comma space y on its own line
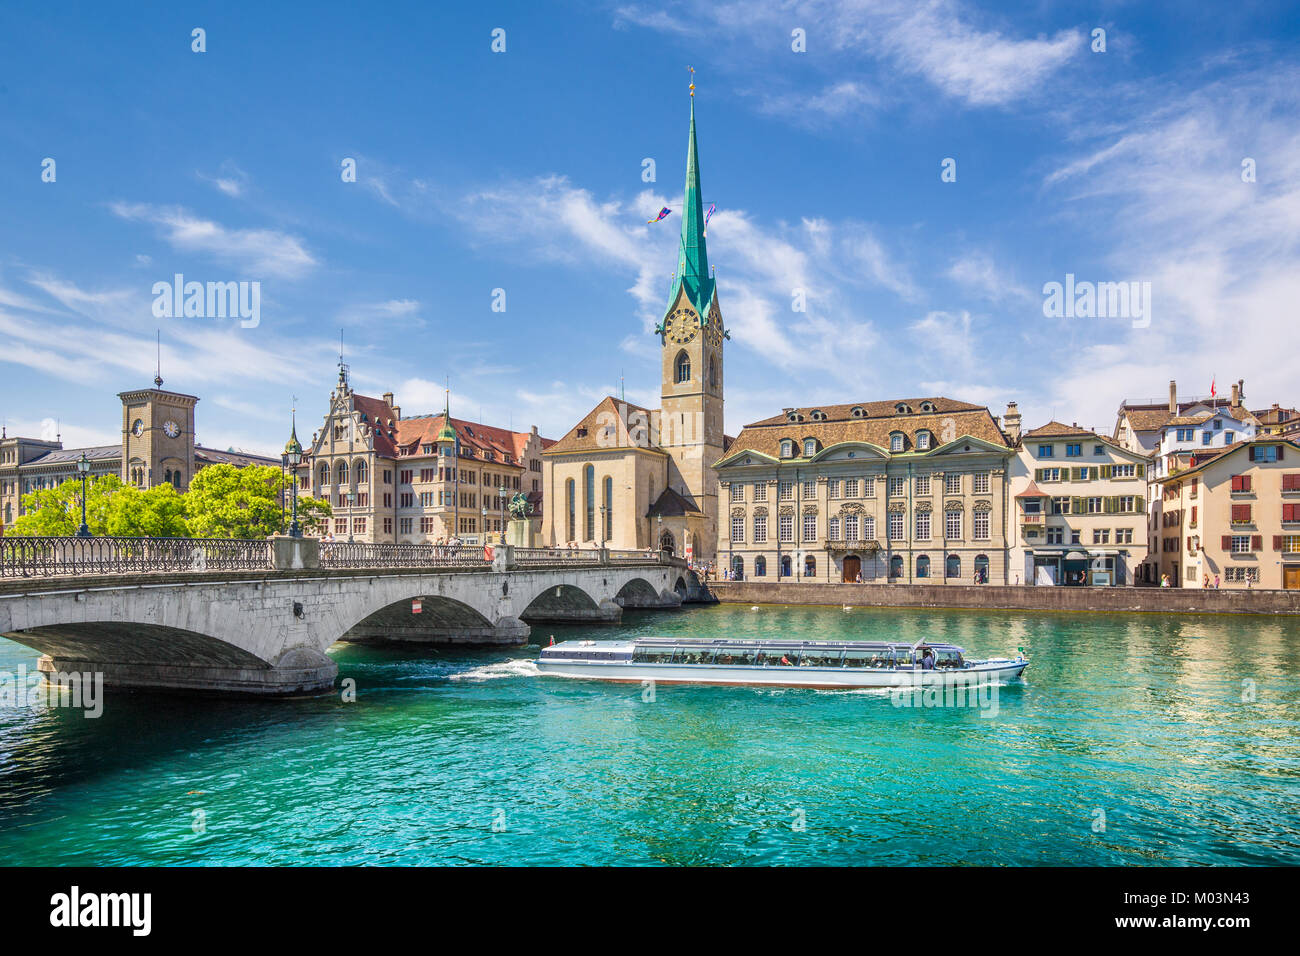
1133, 739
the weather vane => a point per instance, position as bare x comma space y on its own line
692, 69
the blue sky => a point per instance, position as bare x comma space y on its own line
522, 171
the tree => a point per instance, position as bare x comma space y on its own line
158, 512
57, 511
228, 502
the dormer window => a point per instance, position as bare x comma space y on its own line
927, 406
896, 441
902, 409
809, 447
817, 415
923, 441
857, 411
794, 417
787, 448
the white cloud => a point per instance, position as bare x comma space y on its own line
268, 252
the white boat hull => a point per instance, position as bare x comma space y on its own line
998, 671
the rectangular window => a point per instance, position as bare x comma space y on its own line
1123, 535
358, 525
809, 490
923, 526
1095, 506
833, 529
785, 528
1073, 450
737, 491
738, 528
406, 500
1291, 481
1128, 504
981, 483
810, 527
952, 525
833, 488
404, 525
1241, 514
1098, 450
1290, 543
981, 525
1055, 535
1241, 483
851, 487
1240, 544
760, 491
405, 476
760, 529
896, 487
427, 525
1060, 506
894, 525
1044, 451
922, 484
851, 528
388, 526
785, 490
952, 484
869, 528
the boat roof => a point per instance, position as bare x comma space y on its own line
760, 643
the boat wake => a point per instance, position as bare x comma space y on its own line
510, 668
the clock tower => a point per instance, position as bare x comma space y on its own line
157, 437
692, 336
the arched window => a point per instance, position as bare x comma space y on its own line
168, 477
809, 447
923, 566
683, 366
570, 510
760, 567
953, 567
785, 566
713, 373
359, 470
737, 567
787, 448
609, 507
981, 569
896, 566
922, 441
589, 500
176, 479
341, 473
896, 441
324, 474
810, 567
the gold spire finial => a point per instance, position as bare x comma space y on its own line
692, 69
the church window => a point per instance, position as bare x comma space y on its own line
713, 373
570, 510
609, 507
683, 366
589, 496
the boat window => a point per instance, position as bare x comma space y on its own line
821, 657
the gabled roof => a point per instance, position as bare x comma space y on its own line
1055, 429
415, 432
1228, 452
670, 504
380, 419
606, 426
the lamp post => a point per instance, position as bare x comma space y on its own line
83, 468
293, 455
604, 509
659, 541
485, 524
352, 503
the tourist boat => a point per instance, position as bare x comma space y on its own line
823, 664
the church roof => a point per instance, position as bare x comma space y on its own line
671, 504
606, 426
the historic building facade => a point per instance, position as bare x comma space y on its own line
639, 478
1081, 508
1234, 516
902, 491
158, 447
417, 480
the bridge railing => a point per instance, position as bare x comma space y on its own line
343, 554
22, 557
527, 556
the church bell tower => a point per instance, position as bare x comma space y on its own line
692, 336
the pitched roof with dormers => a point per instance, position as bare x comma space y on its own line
1055, 429
418, 431
873, 423
1149, 418
378, 417
606, 426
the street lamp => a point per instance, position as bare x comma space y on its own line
352, 503
485, 524
293, 454
659, 542
604, 509
83, 468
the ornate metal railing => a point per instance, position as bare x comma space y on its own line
625, 556
343, 554
526, 556
22, 557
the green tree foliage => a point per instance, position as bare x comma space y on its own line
228, 502
222, 502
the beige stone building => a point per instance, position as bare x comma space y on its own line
633, 477
1234, 515
1081, 508
417, 480
158, 447
901, 491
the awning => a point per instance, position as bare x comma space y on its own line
1076, 556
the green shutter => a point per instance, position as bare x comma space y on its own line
1140, 503
1077, 506
1142, 470
1107, 471
1038, 474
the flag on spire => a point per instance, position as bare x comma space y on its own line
662, 212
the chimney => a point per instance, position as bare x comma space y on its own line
1173, 397
1237, 393
388, 398
1012, 419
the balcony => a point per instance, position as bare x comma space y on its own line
1033, 520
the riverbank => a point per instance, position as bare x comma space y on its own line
1013, 598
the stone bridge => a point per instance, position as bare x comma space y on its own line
265, 630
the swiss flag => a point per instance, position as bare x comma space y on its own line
1213, 392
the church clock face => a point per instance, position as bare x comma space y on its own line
171, 429
681, 326
137, 428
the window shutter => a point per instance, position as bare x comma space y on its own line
1076, 506
1189, 542
1277, 542
1257, 542
1141, 504
1038, 474
1226, 543
1280, 448
1142, 470
1251, 453
1107, 470
1245, 482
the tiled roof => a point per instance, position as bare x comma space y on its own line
1056, 429
1204, 460
379, 416
240, 459
951, 418
424, 429
670, 504
1145, 418
604, 427
1033, 491
1276, 415
66, 455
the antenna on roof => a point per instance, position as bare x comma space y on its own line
622, 394
343, 369
157, 378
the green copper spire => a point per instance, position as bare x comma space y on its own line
692, 257
446, 433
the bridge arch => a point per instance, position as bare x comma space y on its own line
422, 617
568, 602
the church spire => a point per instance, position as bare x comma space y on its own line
692, 257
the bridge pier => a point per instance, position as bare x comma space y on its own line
607, 612
507, 631
299, 671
